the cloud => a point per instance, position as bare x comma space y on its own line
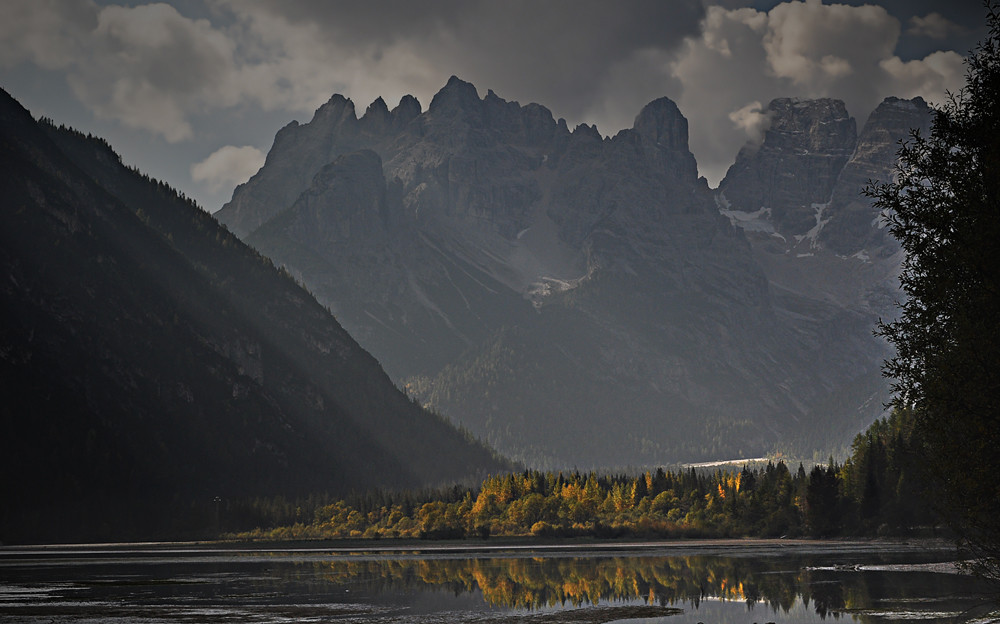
50, 33
227, 167
813, 44
753, 120
719, 72
147, 67
934, 26
565, 54
931, 77
797, 49
150, 67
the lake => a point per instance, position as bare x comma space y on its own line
681, 582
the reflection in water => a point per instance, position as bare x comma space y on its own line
678, 584
543, 582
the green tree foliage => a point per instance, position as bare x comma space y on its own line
943, 207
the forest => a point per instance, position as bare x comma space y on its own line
874, 492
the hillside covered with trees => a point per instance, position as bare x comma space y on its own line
150, 362
873, 492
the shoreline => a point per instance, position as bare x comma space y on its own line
496, 546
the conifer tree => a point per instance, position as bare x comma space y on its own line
944, 208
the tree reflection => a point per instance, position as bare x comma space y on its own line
533, 583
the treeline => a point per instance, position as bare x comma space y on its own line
876, 491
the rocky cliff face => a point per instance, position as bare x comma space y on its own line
794, 170
574, 299
854, 226
815, 233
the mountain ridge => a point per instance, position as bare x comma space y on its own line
632, 304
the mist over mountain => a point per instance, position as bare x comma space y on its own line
587, 301
152, 362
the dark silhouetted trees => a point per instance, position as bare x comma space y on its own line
944, 208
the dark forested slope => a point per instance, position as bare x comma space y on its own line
150, 362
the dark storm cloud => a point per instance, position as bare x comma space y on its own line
560, 53
589, 27
190, 72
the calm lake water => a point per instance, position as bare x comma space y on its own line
738, 581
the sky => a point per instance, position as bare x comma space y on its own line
193, 92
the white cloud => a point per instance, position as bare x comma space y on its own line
296, 66
720, 72
148, 66
797, 49
930, 78
228, 166
752, 119
813, 43
151, 68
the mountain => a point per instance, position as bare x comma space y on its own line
849, 229
574, 299
797, 196
828, 257
152, 362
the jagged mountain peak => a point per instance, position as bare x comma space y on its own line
459, 102
894, 114
800, 106
628, 292
407, 110
587, 131
916, 103
337, 109
856, 227
456, 95
799, 198
794, 169
661, 123
377, 109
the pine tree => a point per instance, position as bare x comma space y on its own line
944, 208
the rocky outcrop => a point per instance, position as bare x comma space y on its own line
664, 134
301, 150
575, 300
794, 170
836, 250
344, 206
854, 226
804, 183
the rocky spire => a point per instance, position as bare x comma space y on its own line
377, 110
407, 110
854, 222
337, 109
661, 123
458, 99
